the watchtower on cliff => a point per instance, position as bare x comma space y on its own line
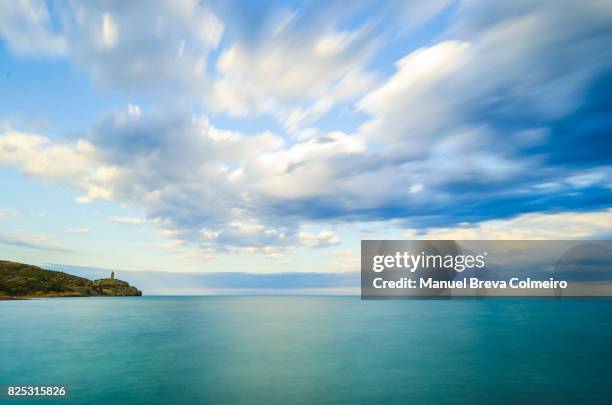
112, 275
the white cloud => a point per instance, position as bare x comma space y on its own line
198, 255
171, 244
322, 239
26, 240
109, 32
128, 46
298, 65
126, 220
26, 27
76, 164
225, 191
497, 63
303, 170
563, 225
291, 67
414, 13
134, 110
350, 86
399, 108
8, 213
39, 156
203, 185
288, 68
416, 188
78, 230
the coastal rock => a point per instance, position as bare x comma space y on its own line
23, 280
115, 288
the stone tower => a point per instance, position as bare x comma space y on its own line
112, 275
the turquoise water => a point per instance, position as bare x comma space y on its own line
309, 350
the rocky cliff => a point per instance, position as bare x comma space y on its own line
116, 288
23, 280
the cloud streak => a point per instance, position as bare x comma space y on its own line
36, 242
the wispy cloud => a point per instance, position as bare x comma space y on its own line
342, 253
126, 220
78, 230
36, 242
8, 213
28, 30
553, 226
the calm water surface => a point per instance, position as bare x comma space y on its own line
309, 350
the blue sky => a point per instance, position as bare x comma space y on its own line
273, 136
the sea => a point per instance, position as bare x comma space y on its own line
309, 350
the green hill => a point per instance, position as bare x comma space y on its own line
23, 280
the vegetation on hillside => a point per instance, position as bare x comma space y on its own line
19, 280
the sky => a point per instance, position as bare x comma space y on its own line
267, 137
